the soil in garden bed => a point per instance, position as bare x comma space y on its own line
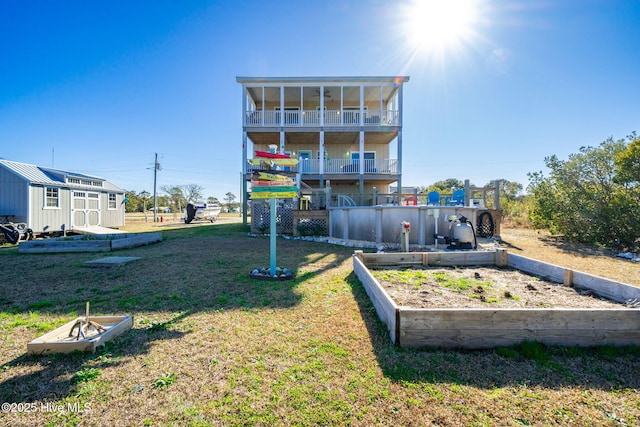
481, 287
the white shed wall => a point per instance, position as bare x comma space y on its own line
14, 196
111, 217
49, 220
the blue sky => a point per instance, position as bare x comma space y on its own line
99, 87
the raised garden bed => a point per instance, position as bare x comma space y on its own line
586, 321
90, 243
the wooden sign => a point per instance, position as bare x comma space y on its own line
270, 155
274, 162
280, 183
274, 195
274, 189
272, 176
274, 185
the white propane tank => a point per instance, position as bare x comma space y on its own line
463, 233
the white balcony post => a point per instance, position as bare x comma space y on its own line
321, 112
281, 105
361, 154
341, 112
244, 105
399, 161
361, 121
321, 165
399, 106
380, 110
399, 109
262, 111
244, 178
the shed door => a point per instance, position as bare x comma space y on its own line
86, 209
93, 208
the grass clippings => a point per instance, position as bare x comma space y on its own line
211, 346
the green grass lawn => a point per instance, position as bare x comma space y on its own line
211, 346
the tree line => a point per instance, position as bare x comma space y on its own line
176, 197
592, 197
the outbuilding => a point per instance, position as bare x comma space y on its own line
51, 200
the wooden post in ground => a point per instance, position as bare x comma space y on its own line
272, 238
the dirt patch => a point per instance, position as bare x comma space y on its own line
481, 287
540, 245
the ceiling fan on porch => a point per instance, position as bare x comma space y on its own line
326, 93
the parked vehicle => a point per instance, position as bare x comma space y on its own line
13, 232
204, 211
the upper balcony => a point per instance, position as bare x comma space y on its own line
313, 118
318, 102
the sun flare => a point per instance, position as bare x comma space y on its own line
438, 25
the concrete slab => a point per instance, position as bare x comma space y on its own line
96, 229
112, 261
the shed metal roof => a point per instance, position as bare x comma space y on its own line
55, 177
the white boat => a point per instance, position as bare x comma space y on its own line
201, 211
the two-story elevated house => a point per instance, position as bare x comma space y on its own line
346, 131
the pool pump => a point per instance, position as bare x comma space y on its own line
461, 234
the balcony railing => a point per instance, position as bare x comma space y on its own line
340, 166
331, 118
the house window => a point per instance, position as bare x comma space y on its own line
368, 155
369, 161
88, 182
52, 197
112, 202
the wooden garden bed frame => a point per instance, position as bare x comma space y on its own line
475, 328
90, 243
60, 341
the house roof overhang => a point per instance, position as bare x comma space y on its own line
352, 79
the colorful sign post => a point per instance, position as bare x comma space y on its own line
273, 184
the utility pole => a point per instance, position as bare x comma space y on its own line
156, 168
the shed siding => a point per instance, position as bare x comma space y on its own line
49, 220
14, 196
111, 217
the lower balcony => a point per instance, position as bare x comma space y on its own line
337, 167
